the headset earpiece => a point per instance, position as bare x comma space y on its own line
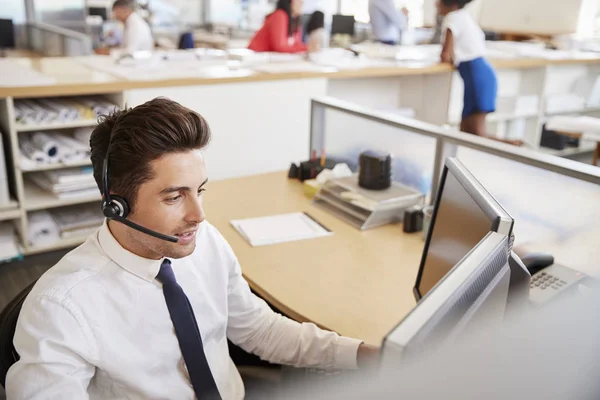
117, 207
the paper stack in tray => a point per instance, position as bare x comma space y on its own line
67, 183
78, 221
42, 148
48, 227
42, 229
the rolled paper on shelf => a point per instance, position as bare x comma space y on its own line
71, 150
63, 113
32, 153
44, 142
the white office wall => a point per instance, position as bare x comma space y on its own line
530, 16
430, 11
13, 9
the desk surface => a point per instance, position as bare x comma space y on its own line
358, 284
73, 77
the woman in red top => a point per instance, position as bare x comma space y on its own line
281, 31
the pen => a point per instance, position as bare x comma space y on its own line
323, 158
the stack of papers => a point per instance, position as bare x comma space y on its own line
67, 183
78, 221
279, 228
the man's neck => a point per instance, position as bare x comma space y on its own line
123, 237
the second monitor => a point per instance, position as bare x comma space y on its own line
463, 214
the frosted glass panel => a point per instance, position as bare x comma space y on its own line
553, 213
59, 11
346, 136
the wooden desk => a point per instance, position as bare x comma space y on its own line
358, 284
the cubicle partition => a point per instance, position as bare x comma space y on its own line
55, 41
555, 201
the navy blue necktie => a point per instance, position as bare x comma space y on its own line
188, 334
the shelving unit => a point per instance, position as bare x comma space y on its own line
50, 167
537, 81
569, 151
10, 211
584, 110
37, 198
27, 196
55, 126
59, 245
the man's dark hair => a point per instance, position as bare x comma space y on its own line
459, 3
141, 135
123, 3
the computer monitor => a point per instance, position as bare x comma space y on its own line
464, 212
101, 12
471, 296
7, 34
342, 24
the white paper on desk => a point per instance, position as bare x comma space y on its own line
279, 228
285, 67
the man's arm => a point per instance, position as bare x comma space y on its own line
398, 18
54, 353
257, 329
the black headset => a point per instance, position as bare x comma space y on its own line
116, 207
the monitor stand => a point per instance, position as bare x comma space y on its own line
518, 290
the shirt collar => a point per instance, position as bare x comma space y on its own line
144, 268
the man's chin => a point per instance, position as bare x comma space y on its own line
178, 251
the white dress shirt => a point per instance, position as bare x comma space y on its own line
387, 22
96, 326
137, 35
469, 39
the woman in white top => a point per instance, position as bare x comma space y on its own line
464, 46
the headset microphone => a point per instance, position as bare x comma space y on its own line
116, 207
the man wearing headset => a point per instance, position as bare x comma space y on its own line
143, 309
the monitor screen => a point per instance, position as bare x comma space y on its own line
7, 34
342, 24
101, 12
463, 215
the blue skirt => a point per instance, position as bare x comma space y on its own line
481, 86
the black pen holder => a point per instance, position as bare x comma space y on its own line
309, 169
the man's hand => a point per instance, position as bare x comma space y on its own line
103, 51
368, 356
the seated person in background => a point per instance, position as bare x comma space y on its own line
387, 22
127, 315
315, 30
282, 30
137, 35
463, 43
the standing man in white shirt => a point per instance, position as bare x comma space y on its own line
143, 309
137, 35
387, 22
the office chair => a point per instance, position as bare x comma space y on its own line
186, 41
8, 324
